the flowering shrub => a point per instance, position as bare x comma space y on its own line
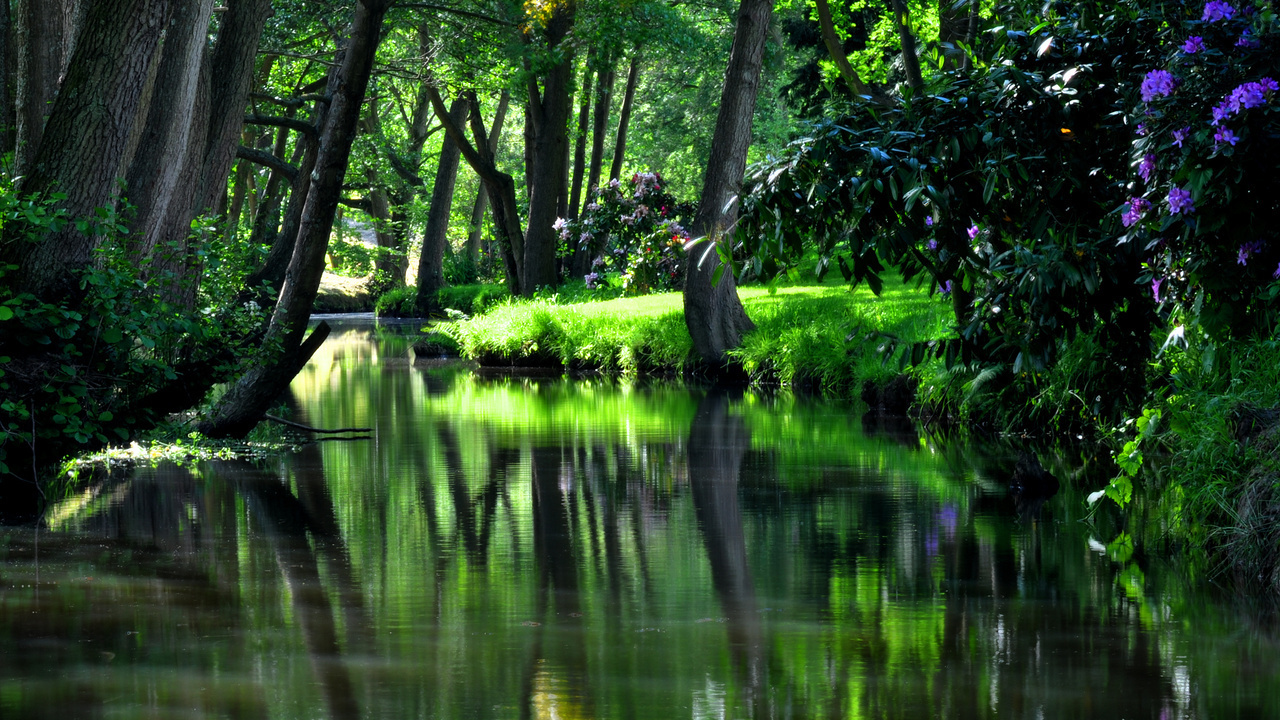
632, 233
1206, 161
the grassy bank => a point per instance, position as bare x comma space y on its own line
818, 336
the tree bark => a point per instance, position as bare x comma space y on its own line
971, 34
436, 236
39, 62
154, 172
580, 144
482, 195
624, 120
83, 150
232, 63
712, 310
7, 119
243, 405
550, 109
604, 98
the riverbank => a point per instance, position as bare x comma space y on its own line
811, 336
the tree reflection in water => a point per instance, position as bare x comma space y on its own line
511, 548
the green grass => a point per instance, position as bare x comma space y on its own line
817, 335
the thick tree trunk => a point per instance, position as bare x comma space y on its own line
482, 195
501, 186
243, 405
712, 310
83, 150
624, 120
435, 238
604, 99
154, 173
580, 144
550, 109
39, 63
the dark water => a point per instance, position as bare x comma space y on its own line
507, 548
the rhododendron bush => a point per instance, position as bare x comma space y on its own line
633, 234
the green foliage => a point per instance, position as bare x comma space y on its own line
997, 188
71, 371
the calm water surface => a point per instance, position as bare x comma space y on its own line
508, 548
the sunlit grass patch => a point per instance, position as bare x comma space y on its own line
816, 335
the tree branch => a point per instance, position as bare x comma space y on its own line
455, 11
266, 159
310, 131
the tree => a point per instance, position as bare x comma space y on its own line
243, 405
435, 238
713, 313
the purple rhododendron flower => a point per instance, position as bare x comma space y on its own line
1248, 95
1141, 130
1247, 251
1180, 201
1137, 206
932, 245
945, 288
1276, 274
1193, 45
973, 232
1215, 10
1269, 85
1147, 167
1246, 39
929, 221
1180, 135
1224, 135
1155, 288
1157, 83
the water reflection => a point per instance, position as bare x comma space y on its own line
512, 548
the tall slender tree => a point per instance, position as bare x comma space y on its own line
435, 238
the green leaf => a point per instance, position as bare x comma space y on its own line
6, 313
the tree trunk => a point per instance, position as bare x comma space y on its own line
953, 24
836, 49
7, 119
39, 62
580, 145
971, 34
232, 63
435, 238
604, 98
243, 405
712, 310
83, 150
624, 120
550, 109
482, 195
501, 187
154, 172
910, 58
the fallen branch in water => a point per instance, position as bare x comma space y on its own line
308, 428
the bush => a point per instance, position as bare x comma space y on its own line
467, 299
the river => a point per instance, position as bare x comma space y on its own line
505, 547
